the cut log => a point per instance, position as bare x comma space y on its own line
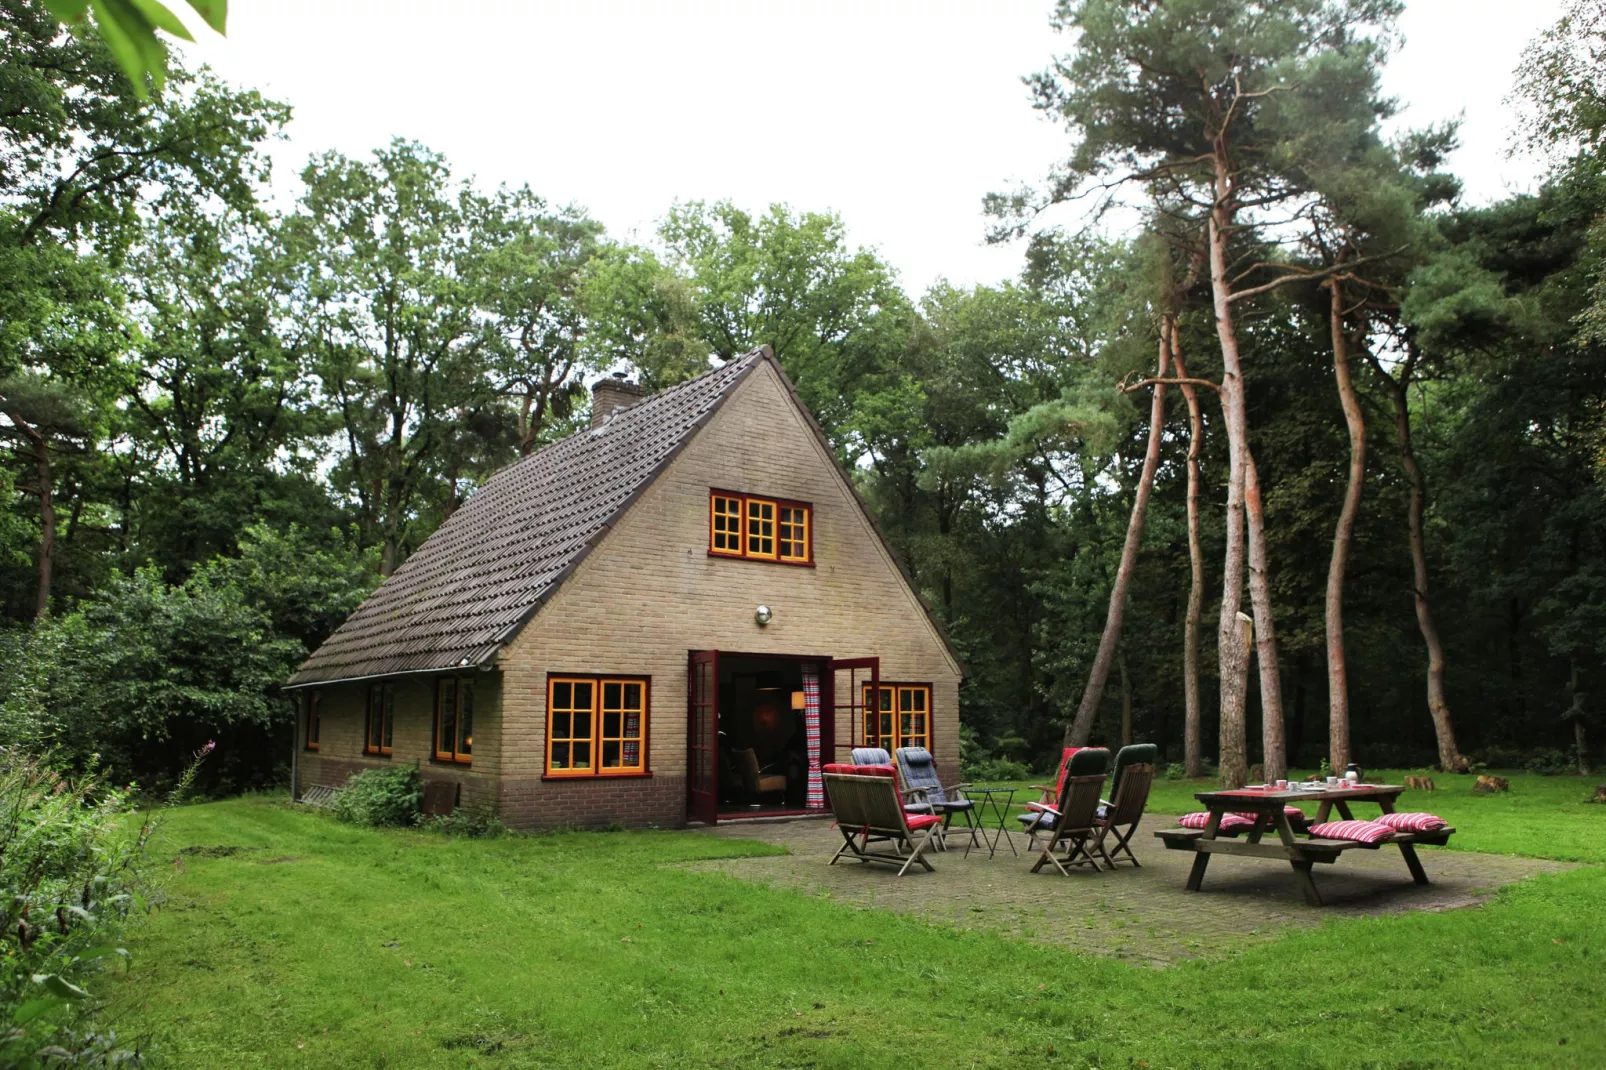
1600, 793
1419, 783
1489, 785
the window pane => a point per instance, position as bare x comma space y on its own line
581, 754
582, 724
582, 697
886, 698
632, 758
906, 698
610, 695
610, 756
465, 720
632, 696
610, 725
560, 756
390, 716
920, 698
633, 725
562, 696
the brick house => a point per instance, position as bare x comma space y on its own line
678, 614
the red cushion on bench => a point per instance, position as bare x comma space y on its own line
1229, 822
921, 821
1359, 831
1413, 822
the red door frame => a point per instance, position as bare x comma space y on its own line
855, 699
702, 804
702, 737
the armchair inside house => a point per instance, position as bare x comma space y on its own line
757, 781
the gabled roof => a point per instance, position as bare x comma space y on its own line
489, 567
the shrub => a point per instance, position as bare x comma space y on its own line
471, 821
71, 868
381, 797
997, 769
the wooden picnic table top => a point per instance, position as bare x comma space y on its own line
1254, 798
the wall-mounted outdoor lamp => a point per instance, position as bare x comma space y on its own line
763, 615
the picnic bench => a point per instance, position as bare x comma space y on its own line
1302, 852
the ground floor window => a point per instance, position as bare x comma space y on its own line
314, 701
381, 718
596, 725
902, 715
454, 719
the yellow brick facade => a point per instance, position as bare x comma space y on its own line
650, 593
646, 596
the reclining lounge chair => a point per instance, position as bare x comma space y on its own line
868, 811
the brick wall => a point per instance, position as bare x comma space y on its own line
650, 593
343, 723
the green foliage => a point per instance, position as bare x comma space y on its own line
472, 821
72, 868
129, 29
380, 798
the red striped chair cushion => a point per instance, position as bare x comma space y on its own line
1359, 831
1413, 822
858, 770
1229, 822
921, 821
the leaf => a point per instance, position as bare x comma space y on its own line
33, 1009
160, 18
59, 986
131, 41
67, 10
215, 12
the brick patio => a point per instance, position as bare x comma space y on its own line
1138, 914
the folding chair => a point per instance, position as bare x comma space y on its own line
1070, 825
921, 783
1124, 813
869, 811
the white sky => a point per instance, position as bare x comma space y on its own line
897, 114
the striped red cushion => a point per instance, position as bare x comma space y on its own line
921, 821
1359, 831
1413, 822
1229, 822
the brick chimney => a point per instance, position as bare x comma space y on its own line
615, 392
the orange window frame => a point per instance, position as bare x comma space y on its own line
313, 726
454, 720
766, 529
904, 711
380, 726
597, 725
727, 525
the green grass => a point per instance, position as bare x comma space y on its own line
320, 945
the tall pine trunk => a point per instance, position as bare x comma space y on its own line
1080, 730
1450, 756
1343, 535
1192, 733
1233, 658
1274, 749
47, 524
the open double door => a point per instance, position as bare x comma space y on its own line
842, 690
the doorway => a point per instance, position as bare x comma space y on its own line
749, 744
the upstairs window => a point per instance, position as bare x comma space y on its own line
903, 716
454, 719
760, 529
381, 719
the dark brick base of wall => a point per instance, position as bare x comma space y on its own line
587, 803
475, 789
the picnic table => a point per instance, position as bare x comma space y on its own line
1301, 852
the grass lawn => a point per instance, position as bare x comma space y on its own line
287, 939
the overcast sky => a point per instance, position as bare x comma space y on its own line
898, 115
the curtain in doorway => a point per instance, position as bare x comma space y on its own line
811, 726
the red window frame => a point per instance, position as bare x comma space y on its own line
313, 725
380, 725
456, 745
760, 522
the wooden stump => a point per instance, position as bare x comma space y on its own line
1489, 785
1419, 783
1600, 793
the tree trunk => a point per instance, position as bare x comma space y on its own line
1337, 671
47, 524
1234, 660
1126, 699
1271, 683
1192, 756
1450, 757
1080, 730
